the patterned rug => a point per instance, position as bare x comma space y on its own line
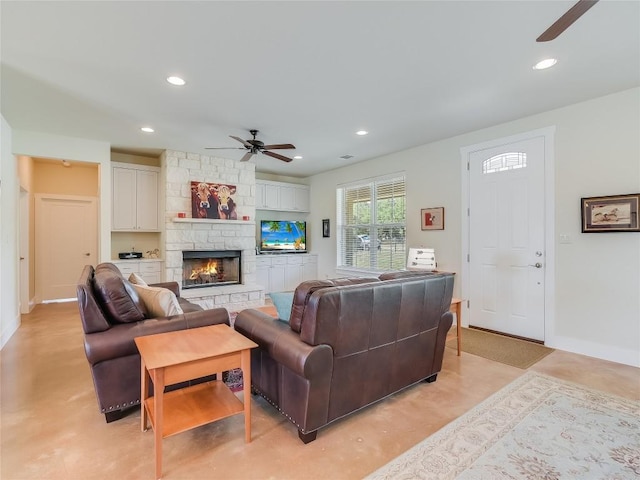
537, 427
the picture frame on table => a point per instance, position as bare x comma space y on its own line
432, 218
612, 213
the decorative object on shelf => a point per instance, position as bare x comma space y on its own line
213, 200
155, 253
421, 259
613, 213
182, 215
326, 231
432, 218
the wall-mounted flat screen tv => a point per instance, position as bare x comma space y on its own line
280, 236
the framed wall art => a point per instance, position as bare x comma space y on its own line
614, 213
432, 218
213, 200
326, 232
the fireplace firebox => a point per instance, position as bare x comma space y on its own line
210, 268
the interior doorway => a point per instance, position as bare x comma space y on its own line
509, 234
66, 241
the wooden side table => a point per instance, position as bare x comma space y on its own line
456, 307
174, 357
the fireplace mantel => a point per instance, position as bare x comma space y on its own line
212, 220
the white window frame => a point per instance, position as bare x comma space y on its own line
373, 225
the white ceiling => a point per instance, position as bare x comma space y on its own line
307, 73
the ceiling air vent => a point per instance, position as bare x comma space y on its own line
346, 157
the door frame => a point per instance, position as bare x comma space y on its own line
24, 253
548, 134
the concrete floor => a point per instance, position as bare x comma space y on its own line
52, 429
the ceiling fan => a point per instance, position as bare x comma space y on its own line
566, 20
254, 146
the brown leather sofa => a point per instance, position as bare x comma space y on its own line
348, 344
112, 316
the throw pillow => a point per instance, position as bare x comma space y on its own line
137, 279
160, 302
282, 301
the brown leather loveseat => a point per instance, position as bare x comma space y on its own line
112, 316
348, 343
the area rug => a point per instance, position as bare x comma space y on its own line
500, 348
537, 427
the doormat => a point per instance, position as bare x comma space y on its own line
500, 348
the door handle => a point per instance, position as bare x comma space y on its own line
537, 265
87, 254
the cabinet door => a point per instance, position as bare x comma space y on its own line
147, 200
287, 198
262, 278
277, 278
301, 201
310, 268
292, 277
123, 197
271, 196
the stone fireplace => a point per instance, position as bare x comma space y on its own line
210, 268
194, 234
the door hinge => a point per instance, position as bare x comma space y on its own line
468, 166
468, 258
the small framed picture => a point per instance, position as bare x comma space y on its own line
615, 213
326, 232
432, 218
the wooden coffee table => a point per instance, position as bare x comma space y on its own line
174, 357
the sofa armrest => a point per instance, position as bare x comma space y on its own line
118, 341
284, 345
173, 286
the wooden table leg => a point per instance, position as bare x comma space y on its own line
459, 325
158, 412
144, 394
245, 362
456, 307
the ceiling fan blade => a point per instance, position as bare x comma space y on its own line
246, 156
244, 142
278, 156
279, 146
565, 21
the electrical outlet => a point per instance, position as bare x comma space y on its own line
565, 239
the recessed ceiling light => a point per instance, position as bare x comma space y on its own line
362, 132
298, 157
176, 81
147, 129
546, 63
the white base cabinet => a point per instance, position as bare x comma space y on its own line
282, 272
149, 270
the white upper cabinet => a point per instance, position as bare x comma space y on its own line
134, 198
286, 197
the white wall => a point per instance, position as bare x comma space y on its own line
597, 276
45, 145
9, 273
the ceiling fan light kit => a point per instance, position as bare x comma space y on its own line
254, 146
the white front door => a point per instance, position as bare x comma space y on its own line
66, 240
507, 238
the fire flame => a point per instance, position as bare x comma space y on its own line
210, 268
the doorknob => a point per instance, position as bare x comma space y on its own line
537, 265
87, 254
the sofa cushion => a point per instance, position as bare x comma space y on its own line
282, 301
117, 296
159, 302
137, 279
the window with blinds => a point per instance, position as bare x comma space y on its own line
371, 220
